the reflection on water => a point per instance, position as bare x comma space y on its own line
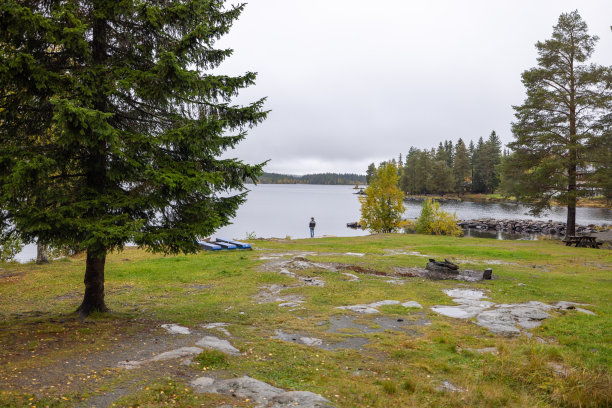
281, 210
476, 233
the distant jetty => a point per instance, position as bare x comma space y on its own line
517, 226
525, 226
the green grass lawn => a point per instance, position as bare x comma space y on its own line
566, 362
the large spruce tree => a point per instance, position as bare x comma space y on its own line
561, 117
112, 125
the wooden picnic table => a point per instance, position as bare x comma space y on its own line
582, 241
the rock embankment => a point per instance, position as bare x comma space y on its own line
525, 226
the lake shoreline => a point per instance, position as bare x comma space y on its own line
497, 199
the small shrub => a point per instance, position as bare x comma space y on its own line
435, 221
389, 387
409, 385
212, 359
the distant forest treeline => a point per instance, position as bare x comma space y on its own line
451, 168
319, 178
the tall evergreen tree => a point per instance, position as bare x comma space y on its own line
448, 149
471, 152
111, 124
491, 161
441, 181
370, 173
423, 171
479, 167
441, 154
408, 180
564, 111
461, 167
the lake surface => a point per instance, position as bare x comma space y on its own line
282, 210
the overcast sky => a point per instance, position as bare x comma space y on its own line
350, 82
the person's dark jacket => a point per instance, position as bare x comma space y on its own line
312, 224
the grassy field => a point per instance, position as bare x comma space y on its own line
49, 357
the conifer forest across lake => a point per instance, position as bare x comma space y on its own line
284, 210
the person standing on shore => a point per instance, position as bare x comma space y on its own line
312, 226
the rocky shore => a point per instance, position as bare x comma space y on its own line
526, 226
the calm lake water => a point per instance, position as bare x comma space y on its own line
281, 210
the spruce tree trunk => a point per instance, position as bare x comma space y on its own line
42, 257
93, 300
571, 205
573, 156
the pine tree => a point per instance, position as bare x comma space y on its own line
461, 167
491, 162
448, 149
441, 154
441, 178
563, 114
408, 179
479, 167
111, 127
370, 173
471, 153
423, 171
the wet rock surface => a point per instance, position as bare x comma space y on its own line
352, 342
344, 324
372, 308
262, 393
503, 319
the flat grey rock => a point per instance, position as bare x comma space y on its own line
492, 350
176, 329
260, 392
297, 338
291, 304
372, 308
458, 312
215, 343
585, 311
178, 353
504, 319
301, 399
221, 327
352, 278
412, 304
447, 386
360, 309
168, 355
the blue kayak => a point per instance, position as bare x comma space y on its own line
225, 245
240, 245
209, 246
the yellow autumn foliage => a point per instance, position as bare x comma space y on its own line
382, 206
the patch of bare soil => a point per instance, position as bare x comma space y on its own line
70, 362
